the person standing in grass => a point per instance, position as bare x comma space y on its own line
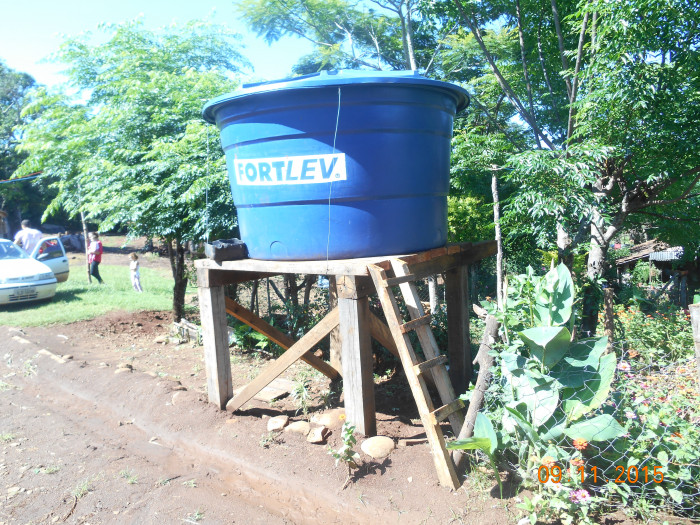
135, 273
95, 256
27, 237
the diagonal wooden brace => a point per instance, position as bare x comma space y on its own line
276, 336
286, 360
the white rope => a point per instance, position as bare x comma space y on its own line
330, 186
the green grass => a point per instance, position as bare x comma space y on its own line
76, 300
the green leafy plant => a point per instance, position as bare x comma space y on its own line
345, 453
483, 438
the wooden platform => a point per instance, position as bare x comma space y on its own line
355, 323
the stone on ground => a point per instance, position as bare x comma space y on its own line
330, 419
299, 427
318, 435
277, 423
378, 447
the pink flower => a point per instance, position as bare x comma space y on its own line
579, 496
630, 415
624, 366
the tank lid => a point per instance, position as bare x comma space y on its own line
333, 79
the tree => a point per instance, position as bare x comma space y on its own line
136, 153
15, 198
377, 34
608, 92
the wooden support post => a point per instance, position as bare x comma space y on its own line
695, 324
212, 308
356, 345
458, 337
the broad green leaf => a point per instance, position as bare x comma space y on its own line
555, 297
472, 443
580, 401
581, 364
484, 429
549, 344
599, 428
676, 495
523, 424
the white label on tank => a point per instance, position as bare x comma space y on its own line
302, 169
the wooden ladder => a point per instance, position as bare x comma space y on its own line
452, 407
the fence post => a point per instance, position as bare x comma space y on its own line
695, 323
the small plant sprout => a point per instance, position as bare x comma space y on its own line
301, 394
82, 489
345, 453
195, 517
6, 438
269, 438
191, 483
129, 476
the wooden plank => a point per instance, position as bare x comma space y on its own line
458, 335
446, 472
331, 267
431, 363
446, 410
468, 251
395, 281
335, 348
217, 360
260, 325
286, 360
473, 253
380, 331
428, 343
212, 278
695, 325
354, 287
413, 325
358, 377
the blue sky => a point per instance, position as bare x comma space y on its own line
31, 30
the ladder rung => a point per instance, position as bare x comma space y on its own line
446, 410
430, 363
412, 325
393, 281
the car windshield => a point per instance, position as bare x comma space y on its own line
9, 250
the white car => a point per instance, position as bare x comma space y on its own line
25, 278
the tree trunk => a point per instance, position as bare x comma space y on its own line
609, 318
483, 380
432, 294
600, 236
499, 243
564, 254
85, 242
177, 265
308, 286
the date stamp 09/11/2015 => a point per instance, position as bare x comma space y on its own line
633, 474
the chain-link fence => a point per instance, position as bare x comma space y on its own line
617, 433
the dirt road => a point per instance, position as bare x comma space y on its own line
120, 431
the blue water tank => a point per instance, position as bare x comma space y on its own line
339, 165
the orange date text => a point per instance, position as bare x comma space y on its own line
631, 474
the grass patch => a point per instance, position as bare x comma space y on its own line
76, 300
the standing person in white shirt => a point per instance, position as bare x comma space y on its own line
27, 237
135, 273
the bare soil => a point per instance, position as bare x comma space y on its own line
121, 432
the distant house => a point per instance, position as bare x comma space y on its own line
677, 276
